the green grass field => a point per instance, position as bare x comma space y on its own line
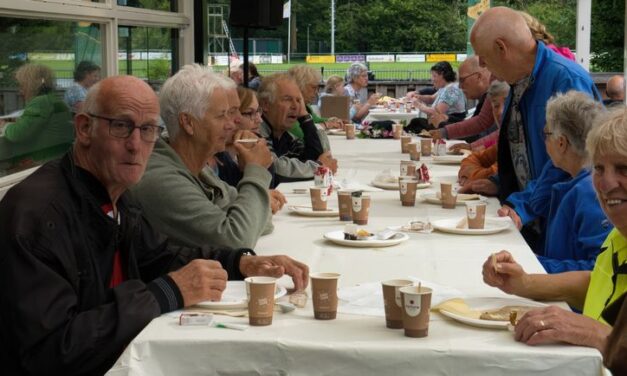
155, 69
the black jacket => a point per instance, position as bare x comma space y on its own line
57, 313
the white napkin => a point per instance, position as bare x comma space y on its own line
367, 299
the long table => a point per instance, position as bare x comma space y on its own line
297, 344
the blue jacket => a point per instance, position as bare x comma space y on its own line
576, 226
551, 74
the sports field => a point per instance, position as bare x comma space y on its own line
157, 69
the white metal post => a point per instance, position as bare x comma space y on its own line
333, 27
584, 12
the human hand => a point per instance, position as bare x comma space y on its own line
411, 95
373, 99
334, 123
200, 280
277, 200
437, 118
458, 147
275, 266
506, 211
553, 324
464, 173
328, 161
258, 154
436, 134
302, 109
482, 186
501, 271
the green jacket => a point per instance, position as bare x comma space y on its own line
43, 132
204, 210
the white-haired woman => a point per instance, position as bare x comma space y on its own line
357, 90
575, 223
595, 291
181, 196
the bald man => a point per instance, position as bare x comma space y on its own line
615, 90
474, 81
82, 273
504, 45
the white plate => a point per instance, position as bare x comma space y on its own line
448, 159
234, 296
462, 198
307, 211
336, 132
485, 304
338, 238
394, 186
492, 226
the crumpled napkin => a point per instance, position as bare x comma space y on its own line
366, 299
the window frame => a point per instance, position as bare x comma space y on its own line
109, 15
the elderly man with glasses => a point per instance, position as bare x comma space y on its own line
474, 81
81, 271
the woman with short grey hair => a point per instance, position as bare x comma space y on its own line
357, 90
576, 225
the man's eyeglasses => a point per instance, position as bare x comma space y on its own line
252, 114
124, 128
546, 134
462, 79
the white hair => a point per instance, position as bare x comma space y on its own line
189, 91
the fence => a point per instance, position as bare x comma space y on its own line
376, 74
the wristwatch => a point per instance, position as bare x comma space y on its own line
304, 118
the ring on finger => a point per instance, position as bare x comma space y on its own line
542, 324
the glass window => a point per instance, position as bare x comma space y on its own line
38, 59
165, 5
147, 53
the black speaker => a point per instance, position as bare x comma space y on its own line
264, 14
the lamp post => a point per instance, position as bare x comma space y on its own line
308, 39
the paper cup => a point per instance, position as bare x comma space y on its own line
446, 196
397, 131
350, 131
324, 295
360, 206
414, 153
392, 302
318, 198
425, 147
408, 168
407, 189
345, 205
475, 212
416, 306
260, 292
405, 140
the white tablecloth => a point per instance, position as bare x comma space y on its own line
297, 344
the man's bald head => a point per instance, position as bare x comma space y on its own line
473, 78
504, 44
102, 97
615, 88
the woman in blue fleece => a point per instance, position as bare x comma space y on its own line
576, 225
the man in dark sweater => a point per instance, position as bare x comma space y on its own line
283, 105
81, 271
